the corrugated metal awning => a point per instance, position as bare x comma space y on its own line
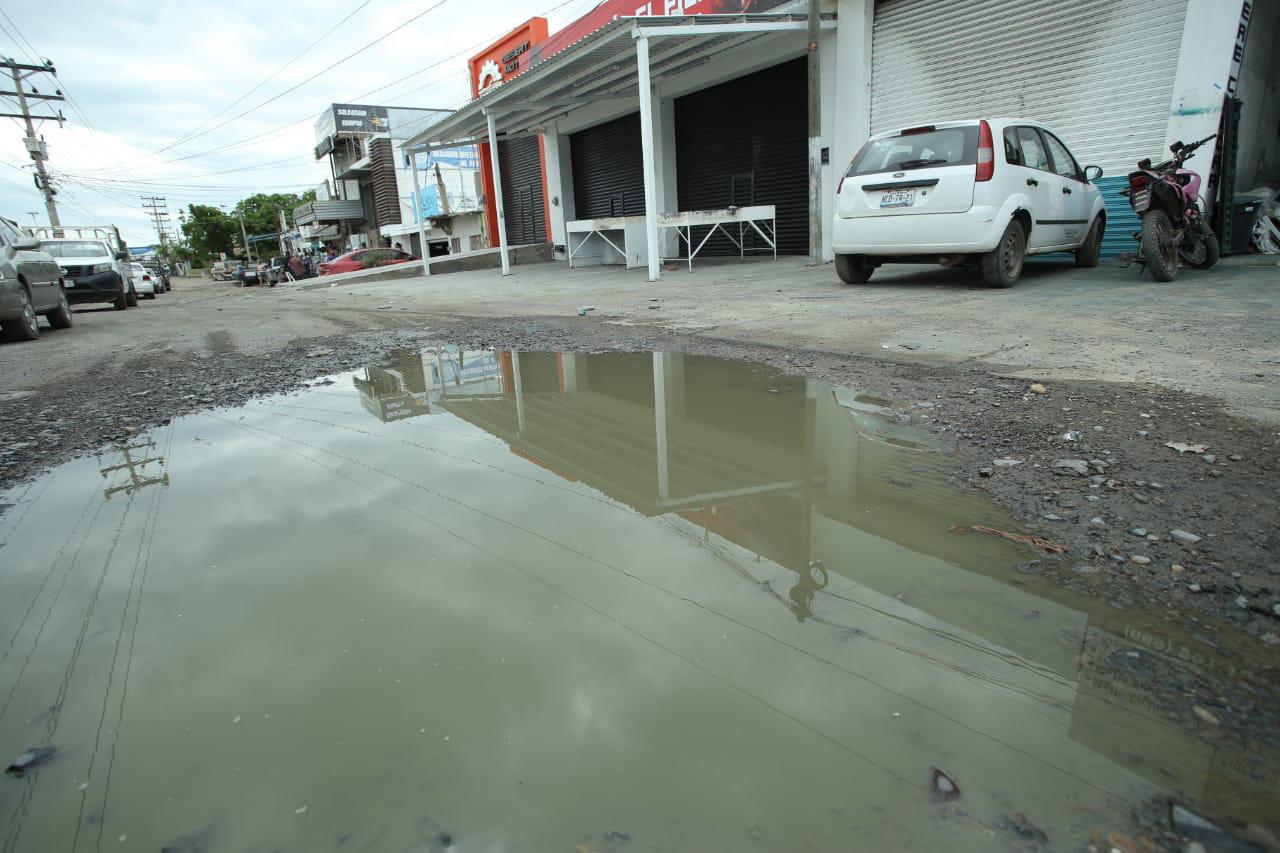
602, 67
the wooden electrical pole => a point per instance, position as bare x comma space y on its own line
35, 146
815, 138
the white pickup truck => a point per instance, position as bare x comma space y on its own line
93, 260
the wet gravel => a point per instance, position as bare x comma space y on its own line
1226, 496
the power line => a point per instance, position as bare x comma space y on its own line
192, 133
319, 73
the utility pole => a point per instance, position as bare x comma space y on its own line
815, 138
248, 253
35, 146
158, 209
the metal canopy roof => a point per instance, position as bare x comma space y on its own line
602, 67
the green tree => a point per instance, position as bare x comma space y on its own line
208, 231
262, 211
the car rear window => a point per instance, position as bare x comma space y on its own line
918, 149
74, 248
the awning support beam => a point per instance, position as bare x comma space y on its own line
647, 157
641, 31
421, 215
497, 192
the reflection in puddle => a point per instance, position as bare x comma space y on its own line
558, 601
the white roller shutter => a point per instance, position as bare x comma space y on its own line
1099, 72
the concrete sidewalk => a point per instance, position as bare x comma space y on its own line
1214, 332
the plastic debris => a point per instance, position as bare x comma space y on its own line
1183, 447
1037, 388
30, 758
942, 786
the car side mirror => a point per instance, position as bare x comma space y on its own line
26, 244
1092, 173
121, 256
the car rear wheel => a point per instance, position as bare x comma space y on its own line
854, 269
1002, 266
60, 317
1091, 249
25, 327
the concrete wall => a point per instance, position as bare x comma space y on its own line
1258, 161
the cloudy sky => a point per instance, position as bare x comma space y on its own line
196, 101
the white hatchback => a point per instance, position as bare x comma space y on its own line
985, 192
143, 281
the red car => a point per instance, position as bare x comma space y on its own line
363, 259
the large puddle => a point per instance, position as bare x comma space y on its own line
538, 601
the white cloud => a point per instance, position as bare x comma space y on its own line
147, 73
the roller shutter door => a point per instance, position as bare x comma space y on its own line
746, 142
1099, 72
608, 179
522, 200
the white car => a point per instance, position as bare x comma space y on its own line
143, 281
984, 192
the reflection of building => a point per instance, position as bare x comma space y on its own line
822, 499
400, 385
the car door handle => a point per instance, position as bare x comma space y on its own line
1032, 182
1066, 190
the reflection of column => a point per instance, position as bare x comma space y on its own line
573, 371
841, 446
515, 370
660, 376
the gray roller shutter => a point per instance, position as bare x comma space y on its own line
521, 164
608, 179
1099, 72
746, 142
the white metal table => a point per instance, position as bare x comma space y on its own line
721, 220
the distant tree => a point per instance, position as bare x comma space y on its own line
209, 231
262, 211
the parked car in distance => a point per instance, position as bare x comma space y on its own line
983, 192
161, 272
30, 285
363, 259
254, 273
223, 270
144, 282
92, 271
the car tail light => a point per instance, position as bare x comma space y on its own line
840, 185
986, 153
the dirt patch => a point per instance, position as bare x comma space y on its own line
1115, 498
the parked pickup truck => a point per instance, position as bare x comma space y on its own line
92, 272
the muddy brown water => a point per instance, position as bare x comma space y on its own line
539, 601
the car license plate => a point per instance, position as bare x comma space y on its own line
898, 198
69, 282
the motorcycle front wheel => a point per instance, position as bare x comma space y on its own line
1203, 253
1158, 249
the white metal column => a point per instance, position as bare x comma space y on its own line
660, 416
647, 156
418, 212
519, 388
497, 192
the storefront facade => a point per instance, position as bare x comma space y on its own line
726, 111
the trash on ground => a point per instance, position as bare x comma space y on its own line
1183, 447
1037, 388
30, 758
942, 786
1024, 538
318, 353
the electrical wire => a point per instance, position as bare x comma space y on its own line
192, 133
316, 75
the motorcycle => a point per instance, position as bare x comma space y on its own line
1166, 198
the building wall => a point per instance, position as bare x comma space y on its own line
1258, 161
